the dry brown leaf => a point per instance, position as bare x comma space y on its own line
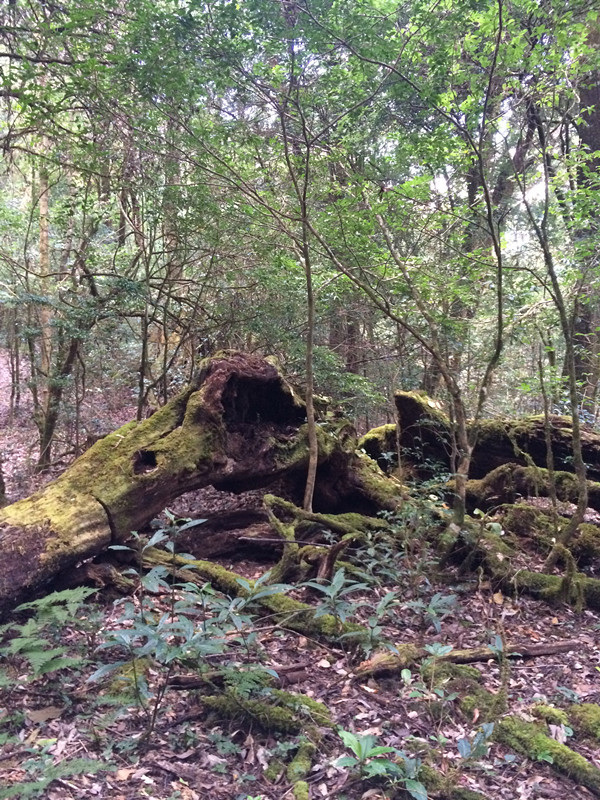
44, 714
184, 791
59, 747
124, 774
558, 733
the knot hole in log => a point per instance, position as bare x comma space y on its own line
144, 461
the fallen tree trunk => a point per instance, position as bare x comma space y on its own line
426, 440
511, 482
408, 655
239, 426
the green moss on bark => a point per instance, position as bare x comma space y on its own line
586, 717
283, 711
301, 791
380, 441
301, 764
530, 739
550, 714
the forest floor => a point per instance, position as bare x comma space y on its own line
145, 731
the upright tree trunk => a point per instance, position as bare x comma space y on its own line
313, 445
586, 316
43, 411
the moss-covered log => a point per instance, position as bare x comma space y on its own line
407, 655
511, 482
280, 711
239, 426
479, 548
425, 440
532, 739
424, 435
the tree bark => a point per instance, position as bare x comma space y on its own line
239, 426
425, 437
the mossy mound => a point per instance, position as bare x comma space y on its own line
586, 717
280, 711
585, 546
380, 444
526, 521
550, 714
532, 740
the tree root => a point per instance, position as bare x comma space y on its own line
490, 552
297, 528
284, 610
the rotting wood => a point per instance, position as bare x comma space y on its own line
386, 663
425, 439
239, 426
287, 674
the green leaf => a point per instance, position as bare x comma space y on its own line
380, 766
155, 539
415, 789
379, 751
345, 761
104, 670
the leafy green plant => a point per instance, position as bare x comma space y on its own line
42, 771
370, 760
224, 744
436, 610
37, 640
432, 692
379, 558
476, 746
545, 755
486, 525
174, 623
383, 608
335, 596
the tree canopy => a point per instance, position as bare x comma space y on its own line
379, 193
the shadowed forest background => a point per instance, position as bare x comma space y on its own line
300, 356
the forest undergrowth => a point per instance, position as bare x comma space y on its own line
178, 690
394, 677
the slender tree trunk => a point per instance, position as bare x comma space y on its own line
43, 411
464, 450
56, 387
313, 445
